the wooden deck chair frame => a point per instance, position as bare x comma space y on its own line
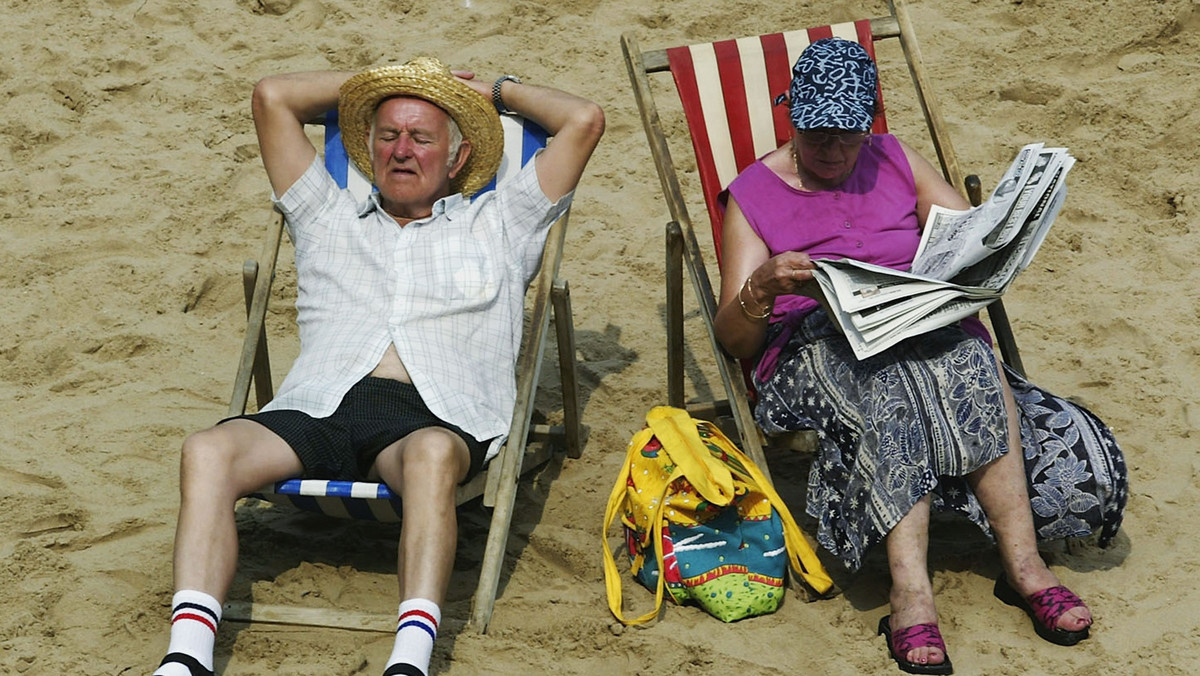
527, 447
683, 249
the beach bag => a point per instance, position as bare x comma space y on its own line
702, 523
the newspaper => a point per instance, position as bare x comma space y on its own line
964, 261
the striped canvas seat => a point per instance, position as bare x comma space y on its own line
366, 500
727, 90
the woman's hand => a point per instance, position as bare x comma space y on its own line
789, 273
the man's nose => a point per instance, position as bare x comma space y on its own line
402, 148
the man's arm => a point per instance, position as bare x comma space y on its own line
281, 105
575, 123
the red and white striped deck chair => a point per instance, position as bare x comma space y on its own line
528, 445
727, 91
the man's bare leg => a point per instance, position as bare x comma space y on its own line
425, 468
217, 466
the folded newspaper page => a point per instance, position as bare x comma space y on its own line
965, 259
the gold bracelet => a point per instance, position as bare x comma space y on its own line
745, 310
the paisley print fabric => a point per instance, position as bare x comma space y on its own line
834, 86
916, 420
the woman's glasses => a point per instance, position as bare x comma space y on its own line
824, 138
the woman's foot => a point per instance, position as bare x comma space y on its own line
1059, 616
1035, 578
913, 614
915, 640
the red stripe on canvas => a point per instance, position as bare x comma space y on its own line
733, 90
867, 40
684, 73
819, 32
779, 79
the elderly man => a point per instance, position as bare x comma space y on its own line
410, 309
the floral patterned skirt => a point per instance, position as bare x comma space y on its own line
917, 419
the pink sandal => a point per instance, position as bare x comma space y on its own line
916, 636
1045, 607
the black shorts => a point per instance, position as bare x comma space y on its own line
375, 413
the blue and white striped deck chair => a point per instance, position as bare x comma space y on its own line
528, 445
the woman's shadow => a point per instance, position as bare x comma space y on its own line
955, 544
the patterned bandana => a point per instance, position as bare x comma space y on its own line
834, 85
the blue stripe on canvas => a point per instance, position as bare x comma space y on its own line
336, 160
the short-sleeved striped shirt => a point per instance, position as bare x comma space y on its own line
447, 290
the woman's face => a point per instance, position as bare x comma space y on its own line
828, 155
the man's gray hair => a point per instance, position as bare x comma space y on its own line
456, 139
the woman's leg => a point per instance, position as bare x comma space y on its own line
1001, 489
912, 593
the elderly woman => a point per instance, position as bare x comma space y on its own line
930, 423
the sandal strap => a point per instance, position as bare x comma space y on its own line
190, 663
1051, 603
917, 636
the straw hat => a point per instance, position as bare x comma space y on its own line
429, 79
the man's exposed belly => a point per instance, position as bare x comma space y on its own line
390, 366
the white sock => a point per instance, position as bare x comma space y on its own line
415, 631
194, 619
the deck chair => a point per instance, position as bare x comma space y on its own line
727, 89
528, 445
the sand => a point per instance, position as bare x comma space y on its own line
131, 191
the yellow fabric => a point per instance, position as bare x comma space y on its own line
645, 502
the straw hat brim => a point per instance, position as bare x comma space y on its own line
428, 79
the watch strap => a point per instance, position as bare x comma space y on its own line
496, 100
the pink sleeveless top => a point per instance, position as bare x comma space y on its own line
871, 217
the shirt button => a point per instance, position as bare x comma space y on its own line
846, 224
859, 245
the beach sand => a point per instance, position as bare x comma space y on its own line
131, 191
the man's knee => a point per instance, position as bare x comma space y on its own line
435, 453
205, 455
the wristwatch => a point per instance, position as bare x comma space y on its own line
496, 100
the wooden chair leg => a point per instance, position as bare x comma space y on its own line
564, 324
263, 390
1004, 336
493, 553
674, 319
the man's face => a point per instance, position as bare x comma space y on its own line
410, 156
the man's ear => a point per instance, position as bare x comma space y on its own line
460, 158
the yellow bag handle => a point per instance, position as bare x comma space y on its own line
676, 430
800, 553
612, 576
